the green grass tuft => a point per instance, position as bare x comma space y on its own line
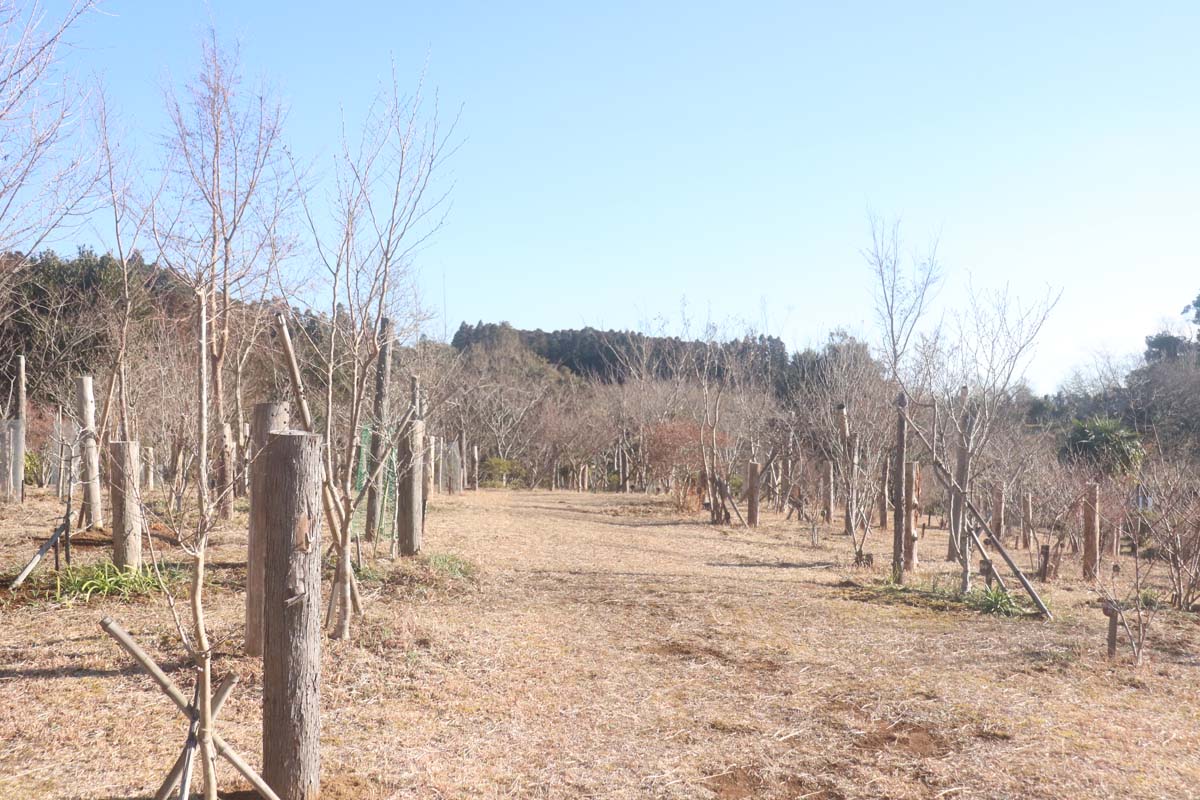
107, 580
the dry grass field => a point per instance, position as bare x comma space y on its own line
556, 645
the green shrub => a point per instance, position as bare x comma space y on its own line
502, 472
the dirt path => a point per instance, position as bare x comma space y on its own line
609, 649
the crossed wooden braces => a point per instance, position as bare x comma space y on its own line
180, 776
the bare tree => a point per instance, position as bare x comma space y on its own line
383, 210
47, 173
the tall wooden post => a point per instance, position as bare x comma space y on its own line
85, 409
60, 435
1027, 520
225, 477
437, 448
1091, 532
22, 416
410, 482
290, 467
752, 481
912, 482
125, 495
827, 492
427, 471
475, 465
148, 469
383, 381
265, 418
5, 462
884, 479
903, 516
998, 512
453, 468
852, 498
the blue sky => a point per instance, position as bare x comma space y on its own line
621, 159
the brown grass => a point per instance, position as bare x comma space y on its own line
607, 648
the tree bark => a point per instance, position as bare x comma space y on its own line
290, 465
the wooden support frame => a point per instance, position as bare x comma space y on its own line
151, 668
947, 480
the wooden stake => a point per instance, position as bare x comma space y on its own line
827, 492
1114, 619
884, 488
149, 471
410, 500
1027, 520
912, 472
126, 497
902, 524
291, 463
265, 419
1091, 532
752, 480
998, 511
85, 408
19, 430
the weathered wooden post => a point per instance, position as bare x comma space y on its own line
383, 381
475, 464
1027, 520
225, 478
1091, 532
148, 469
453, 467
851, 520
410, 485
1044, 562
752, 480
1114, 619
19, 429
85, 408
827, 492
902, 524
290, 469
438, 450
265, 419
125, 495
912, 481
998, 512
427, 469
884, 488
6, 493
60, 435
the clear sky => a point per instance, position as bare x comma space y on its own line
620, 158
